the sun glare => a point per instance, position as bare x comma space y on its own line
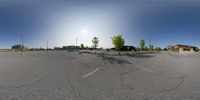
85, 32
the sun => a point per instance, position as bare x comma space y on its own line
85, 32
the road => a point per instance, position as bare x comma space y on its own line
63, 75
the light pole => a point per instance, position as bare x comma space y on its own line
76, 43
22, 45
150, 39
47, 46
150, 46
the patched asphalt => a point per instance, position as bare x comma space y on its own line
63, 75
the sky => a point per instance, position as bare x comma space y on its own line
60, 22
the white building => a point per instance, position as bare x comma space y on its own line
184, 48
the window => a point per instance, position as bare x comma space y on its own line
186, 49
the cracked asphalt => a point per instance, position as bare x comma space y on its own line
58, 75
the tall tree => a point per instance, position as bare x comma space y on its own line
95, 42
82, 46
151, 47
158, 48
169, 47
142, 44
118, 41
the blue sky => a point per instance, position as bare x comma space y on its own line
60, 22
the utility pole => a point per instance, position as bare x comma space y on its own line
22, 45
47, 46
76, 43
150, 39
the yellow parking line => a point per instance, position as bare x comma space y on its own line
148, 70
92, 72
145, 69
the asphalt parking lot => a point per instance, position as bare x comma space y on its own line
63, 75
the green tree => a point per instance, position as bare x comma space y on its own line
142, 44
95, 42
158, 48
169, 47
87, 48
118, 41
82, 46
151, 47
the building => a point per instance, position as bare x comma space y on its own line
58, 48
71, 47
19, 47
184, 48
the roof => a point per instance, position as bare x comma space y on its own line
180, 45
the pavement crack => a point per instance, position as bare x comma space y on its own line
122, 80
176, 87
180, 83
70, 84
26, 85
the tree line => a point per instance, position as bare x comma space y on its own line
118, 42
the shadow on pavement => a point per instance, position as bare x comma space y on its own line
142, 56
82, 52
114, 60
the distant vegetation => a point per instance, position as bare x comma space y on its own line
142, 44
118, 41
82, 46
169, 47
151, 47
95, 42
19, 47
